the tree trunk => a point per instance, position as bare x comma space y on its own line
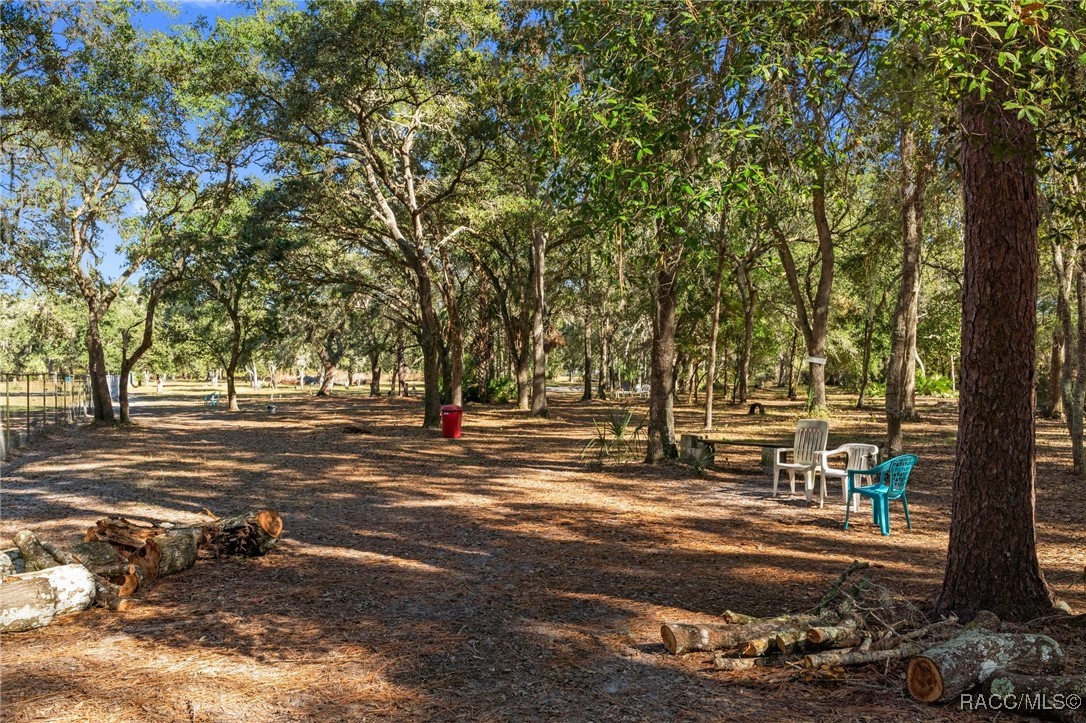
944, 672
661, 429
375, 374
231, 388
430, 343
714, 335
748, 295
587, 379
603, 389
992, 557
901, 371
328, 378
96, 371
539, 376
1074, 377
792, 364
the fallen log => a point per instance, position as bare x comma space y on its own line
106, 594
26, 604
947, 670
723, 662
34, 556
124, 534
843, 629
97, 556
855, 656
734, 618
73, 586
167, 554
1059, 697
691, 638
786, 637
248, 534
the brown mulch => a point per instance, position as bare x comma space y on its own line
496, 577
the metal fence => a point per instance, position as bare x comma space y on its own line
33, 402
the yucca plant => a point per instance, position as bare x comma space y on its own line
616, 436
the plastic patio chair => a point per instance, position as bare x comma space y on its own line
892, 476
859, 456
811, 435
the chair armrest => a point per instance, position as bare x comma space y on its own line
780, 452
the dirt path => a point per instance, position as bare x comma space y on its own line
491, 578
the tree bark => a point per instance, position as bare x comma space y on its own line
539, 376
748, 296
901, 371
682, 638
587, 378
714, 335
375, 374
1074, 377
992, 556
26, 605
944, 672
96, 371
661, 428
34, 555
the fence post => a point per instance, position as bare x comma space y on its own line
27, 407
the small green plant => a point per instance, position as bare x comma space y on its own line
616, 437
935, 385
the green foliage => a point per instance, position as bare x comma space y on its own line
498, 390
934, 385
617, 437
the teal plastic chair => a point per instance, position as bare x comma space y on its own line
893, 475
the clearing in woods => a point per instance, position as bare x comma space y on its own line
497, 577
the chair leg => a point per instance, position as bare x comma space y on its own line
808, 484
822, 491
905, 504
776, 478
846, 515
884, 523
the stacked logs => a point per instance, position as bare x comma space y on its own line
40, 581
859, 621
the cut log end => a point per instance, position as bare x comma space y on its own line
924, 680
670, 642
270, 522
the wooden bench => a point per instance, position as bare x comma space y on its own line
700, 449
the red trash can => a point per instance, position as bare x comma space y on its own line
450, 421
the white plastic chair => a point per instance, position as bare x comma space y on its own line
811, 435
859, 456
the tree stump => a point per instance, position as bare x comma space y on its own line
944, 672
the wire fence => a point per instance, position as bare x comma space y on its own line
34, 402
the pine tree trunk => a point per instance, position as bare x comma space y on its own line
901, 371
992, 557
539, 376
